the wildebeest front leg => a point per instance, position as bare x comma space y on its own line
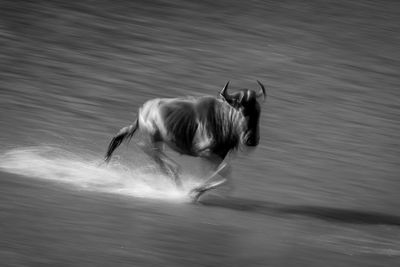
222, 170
167, 165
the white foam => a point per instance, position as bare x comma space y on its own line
85, 171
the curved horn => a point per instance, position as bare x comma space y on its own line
262, 90
224, 93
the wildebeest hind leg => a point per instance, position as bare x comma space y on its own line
171, 168
167, 165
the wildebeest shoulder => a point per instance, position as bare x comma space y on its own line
183, 118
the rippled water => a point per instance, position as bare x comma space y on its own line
321, 188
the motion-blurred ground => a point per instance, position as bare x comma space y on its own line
320, 190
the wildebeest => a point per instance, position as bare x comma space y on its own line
204, 126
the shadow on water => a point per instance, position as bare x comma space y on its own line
324, 213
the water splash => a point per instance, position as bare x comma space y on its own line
85, 171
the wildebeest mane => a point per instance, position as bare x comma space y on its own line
223, 124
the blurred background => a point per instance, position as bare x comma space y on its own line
321, 188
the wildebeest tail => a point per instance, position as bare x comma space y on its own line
125, 133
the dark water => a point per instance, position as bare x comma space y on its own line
320, 190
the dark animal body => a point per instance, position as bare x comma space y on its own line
200, 126
206, 127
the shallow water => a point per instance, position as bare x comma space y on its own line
87, 172
321, 188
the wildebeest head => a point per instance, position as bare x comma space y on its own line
245, 101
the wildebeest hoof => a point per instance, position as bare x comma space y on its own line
195, 194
